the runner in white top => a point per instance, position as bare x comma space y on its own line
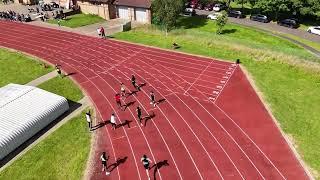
113, 121
89, 120
146, 163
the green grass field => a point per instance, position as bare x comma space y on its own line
78, 20
64, 87
18, 68
277, 66
312, 44
62, 155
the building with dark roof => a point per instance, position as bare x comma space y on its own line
133, 10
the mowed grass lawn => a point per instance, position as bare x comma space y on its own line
63, 87
19, 68
279, 68
62, 155
78, 20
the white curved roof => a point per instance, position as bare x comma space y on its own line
25, 110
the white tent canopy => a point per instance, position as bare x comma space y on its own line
24, 111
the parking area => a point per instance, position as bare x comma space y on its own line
271, 26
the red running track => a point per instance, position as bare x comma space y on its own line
210, 124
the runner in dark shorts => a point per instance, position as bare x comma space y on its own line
139, 114
146, 164
153, 99
134, 83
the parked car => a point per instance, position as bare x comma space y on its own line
260, 18
236, 14
314, 30
214, 16
218, 7
291, 23
189, 12
209, 7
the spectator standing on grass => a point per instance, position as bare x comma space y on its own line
89, 120
59, 70
152, 99
139, 114
146, 164
104, 160
113, 121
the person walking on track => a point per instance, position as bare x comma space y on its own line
104, 160
118, 100
113, 121
134, 83
146, 164
139, 114
89, 120
103, 35
152, 99
122, 90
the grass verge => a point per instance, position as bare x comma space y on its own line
78, 20
312, 44
18, 68
62, 155
278, 67
63, 87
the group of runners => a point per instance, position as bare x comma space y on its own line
118, 97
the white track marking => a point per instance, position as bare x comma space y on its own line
209, 132
197, 77
269, 160
251, 141
118, 118
225, 84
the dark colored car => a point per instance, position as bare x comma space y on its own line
236, 14
291, 23
209, 7
260, 18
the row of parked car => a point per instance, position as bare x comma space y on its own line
213, 6
290, 22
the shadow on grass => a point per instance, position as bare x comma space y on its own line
72, 107
228, 31
191, 22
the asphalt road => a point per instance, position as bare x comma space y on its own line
275, 30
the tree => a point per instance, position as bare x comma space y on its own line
166, 12
221, 21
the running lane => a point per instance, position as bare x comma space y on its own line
202, 129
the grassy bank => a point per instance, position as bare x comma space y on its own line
281, 70
18, 68
64, 87
62, 155
78, 20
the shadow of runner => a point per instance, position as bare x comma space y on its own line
128, 105
158, 166
132, 93
117, 163
126, 122
147, 118
161, 101
100, 125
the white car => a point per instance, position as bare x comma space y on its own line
218, 7
314, 30
214, 16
